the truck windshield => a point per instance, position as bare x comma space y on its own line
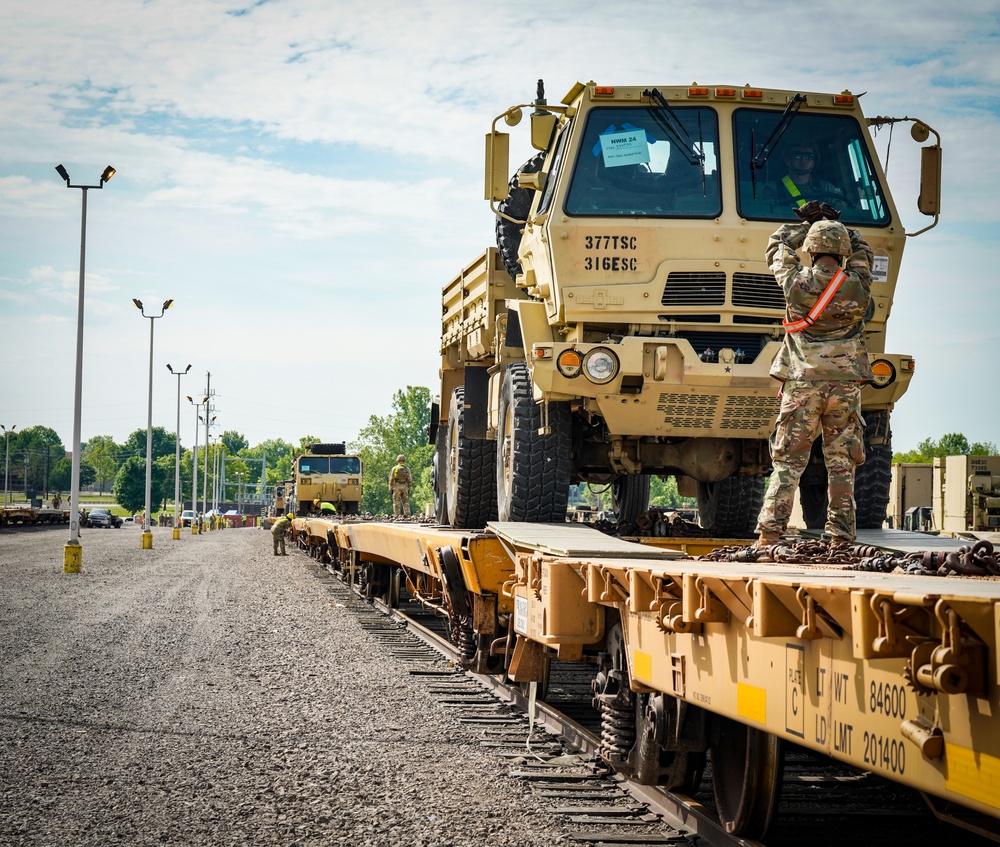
331, 464
647, 162
819, 157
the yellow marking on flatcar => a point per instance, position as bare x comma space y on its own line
751, 702
972, 774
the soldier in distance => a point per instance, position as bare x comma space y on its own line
400, 483
822, 364
323, 507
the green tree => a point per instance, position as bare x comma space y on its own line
61, 475
663, 494
129, 489
950, 444
164, 443
33, 452
234, 441
403, 431
277, 453
101, 453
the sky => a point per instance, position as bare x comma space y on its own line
301, 178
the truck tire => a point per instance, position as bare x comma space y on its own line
871, 480
469, 474
532, 472
814, 498
517, 205
630, 497
731, 507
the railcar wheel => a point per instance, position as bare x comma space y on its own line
532, 474
630, 497
731, 506
747, 766
469, 478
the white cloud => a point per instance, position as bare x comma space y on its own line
303, 176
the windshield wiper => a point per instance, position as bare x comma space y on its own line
761, 156
672, 126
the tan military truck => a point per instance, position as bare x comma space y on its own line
325, 472
625, 324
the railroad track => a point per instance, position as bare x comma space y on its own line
552, 745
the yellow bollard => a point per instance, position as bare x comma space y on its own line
147, 541
177, 533
72, 557
194, 528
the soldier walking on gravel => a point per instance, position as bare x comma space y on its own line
281, 527
822, 365
400, 482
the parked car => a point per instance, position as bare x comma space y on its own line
103, 518
187, 517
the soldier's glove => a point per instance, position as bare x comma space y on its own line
815, 211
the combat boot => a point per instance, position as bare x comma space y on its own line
768, 539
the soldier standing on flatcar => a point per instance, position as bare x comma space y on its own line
822, 365
400, 482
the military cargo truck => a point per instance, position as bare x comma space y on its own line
327, 473
625, 323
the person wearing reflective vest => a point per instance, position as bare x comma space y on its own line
822, 365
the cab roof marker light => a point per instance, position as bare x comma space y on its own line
752, 94
604, 91
725, 92
843, 99
697, 92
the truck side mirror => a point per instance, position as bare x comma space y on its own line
497, 166
929, 199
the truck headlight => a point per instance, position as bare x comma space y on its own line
600, 365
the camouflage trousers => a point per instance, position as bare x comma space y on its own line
809, 409
401, 500
279, 543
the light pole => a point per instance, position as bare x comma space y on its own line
147, 532
194, 462
177, 452
73, 552
6, 464
239, 496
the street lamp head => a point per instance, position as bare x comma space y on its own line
63, 173
137, 303
167, 304
187, 369
189, 398
108, 173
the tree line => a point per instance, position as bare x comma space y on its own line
39, 465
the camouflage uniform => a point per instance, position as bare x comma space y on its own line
822, 369
400, 480
278, 531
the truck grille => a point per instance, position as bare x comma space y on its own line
698, 412
750, 412
759, 291
695, 288
708, 288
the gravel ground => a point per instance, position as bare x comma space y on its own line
205, 692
